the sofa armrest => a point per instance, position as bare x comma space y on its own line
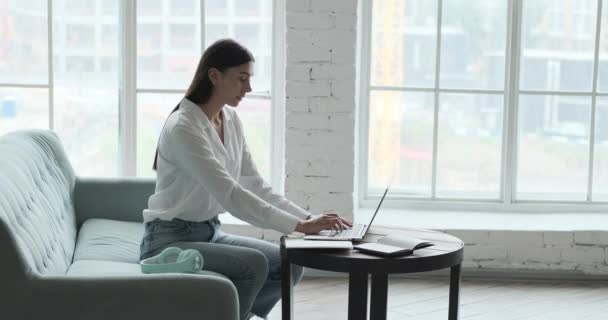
121, 199
150, 297
12, 272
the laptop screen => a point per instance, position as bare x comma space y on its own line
377, 209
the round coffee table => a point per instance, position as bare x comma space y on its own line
446, 253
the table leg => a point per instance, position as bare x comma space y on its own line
357, 296
454, 292
379, 293
286, 286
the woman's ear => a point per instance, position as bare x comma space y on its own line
214, 75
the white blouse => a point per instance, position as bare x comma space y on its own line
198, 177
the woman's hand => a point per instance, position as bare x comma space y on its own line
325, 221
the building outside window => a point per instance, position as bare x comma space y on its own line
485, 102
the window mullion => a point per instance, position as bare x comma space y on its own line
277, 97
598, 29
366, 26
51, 86
436, 105
202, 19
509, 150
127, 88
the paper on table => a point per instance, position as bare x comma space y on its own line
296, 243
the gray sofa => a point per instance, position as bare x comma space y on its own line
70, 246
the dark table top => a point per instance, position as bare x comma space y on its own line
446, 252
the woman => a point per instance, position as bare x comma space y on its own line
204, 168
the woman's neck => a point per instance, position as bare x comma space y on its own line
212, 109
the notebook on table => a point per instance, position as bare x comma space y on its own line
393, 246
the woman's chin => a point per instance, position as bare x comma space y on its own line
234, 103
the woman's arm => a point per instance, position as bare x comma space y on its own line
253, 181
193, 153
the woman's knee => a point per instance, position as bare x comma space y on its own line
257, 262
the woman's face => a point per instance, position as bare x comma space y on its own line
232, 84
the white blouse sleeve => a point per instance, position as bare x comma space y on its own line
194, 154
251, 179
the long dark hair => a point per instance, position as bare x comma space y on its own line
222, 54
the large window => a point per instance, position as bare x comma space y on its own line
472, 102
105, 74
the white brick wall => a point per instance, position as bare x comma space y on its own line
577, 251
320, 104
320, 138
591, 237
558, 238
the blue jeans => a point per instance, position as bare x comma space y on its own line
253, 265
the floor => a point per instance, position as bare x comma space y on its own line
321, 298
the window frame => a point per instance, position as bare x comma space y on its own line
49, 85
506, 202
128, 91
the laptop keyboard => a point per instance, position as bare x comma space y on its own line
353, 232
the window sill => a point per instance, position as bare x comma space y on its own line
470, 220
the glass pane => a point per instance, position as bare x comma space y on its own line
215, 9
404, 38
79, 35
149, 8
248, 8
558, 39
86, 87
469, 146
249, 23
152, 111
553, 147
214, 32
23, 42
473, 44
181, 36
257, 38
184, 7
76, 7
600, 161
255, 115
401, 141
22, 108
109, 7
168, 44
262, 82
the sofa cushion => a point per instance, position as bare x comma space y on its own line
92, 268
109, 240
36, 199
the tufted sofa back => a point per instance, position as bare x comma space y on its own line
36, 199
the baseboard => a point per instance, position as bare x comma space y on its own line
485, 274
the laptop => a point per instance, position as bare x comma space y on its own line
355, 233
